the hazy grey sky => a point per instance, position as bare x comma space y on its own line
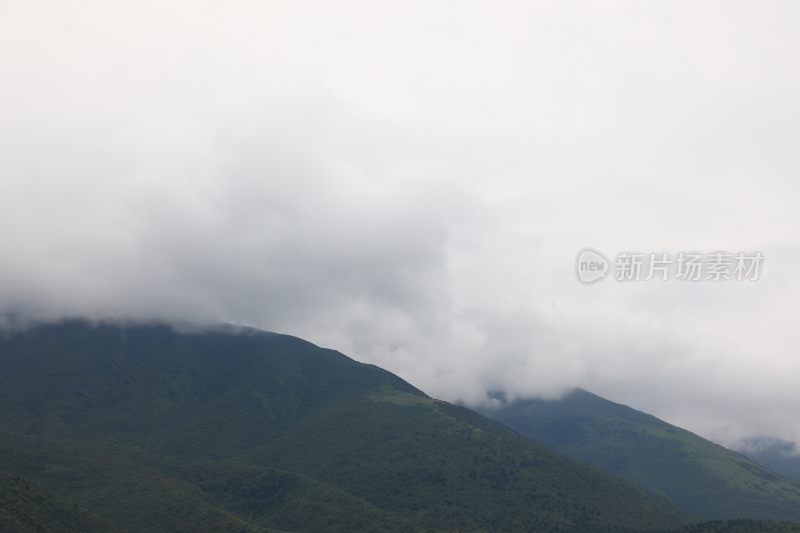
409, 182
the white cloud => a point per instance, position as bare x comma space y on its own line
409, 183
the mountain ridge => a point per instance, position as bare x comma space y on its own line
261, 431
699, 476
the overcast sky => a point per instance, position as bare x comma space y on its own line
410, 182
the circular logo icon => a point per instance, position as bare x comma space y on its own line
591, 266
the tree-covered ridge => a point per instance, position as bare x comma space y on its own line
152, 427
700, 477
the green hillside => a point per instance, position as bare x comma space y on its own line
26, 508
698, 476
778, 455
128, 493
154, 429
742, 526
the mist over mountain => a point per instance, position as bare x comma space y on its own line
487, 206
778, 455
410, 184
698, 476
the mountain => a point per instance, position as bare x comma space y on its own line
25, 508
742, 526
778, 455
698, 476
153, 428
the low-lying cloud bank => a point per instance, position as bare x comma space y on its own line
415, 197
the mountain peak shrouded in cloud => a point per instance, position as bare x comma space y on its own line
410, 184
699, 477
779, 455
